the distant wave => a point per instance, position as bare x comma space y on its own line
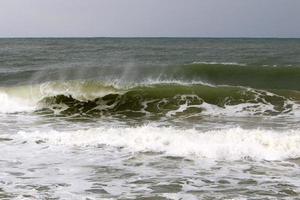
219, 63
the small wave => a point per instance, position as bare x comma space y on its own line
228, 144
220, 63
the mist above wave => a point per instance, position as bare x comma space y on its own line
213, 73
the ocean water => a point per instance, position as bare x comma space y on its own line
149, 118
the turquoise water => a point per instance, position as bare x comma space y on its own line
139, 118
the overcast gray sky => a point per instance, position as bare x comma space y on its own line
158, 18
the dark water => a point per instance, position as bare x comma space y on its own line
160, 118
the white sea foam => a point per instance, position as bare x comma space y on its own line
177, 82
229, 144
152, 82
10, 104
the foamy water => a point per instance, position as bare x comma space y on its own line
9, 104
227, 144
120, 162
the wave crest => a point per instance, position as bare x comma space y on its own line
156, 99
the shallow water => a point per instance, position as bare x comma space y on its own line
72, 165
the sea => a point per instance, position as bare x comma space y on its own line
149, 118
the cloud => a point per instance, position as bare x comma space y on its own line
187, 18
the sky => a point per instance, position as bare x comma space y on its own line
149, 18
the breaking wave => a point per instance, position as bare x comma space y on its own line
164, 99
227, 144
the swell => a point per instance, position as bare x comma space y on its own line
164, 99
261, 77
233, 74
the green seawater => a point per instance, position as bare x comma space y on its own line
149, 118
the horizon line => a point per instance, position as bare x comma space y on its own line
141, 37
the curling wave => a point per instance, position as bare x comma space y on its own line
164, 99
